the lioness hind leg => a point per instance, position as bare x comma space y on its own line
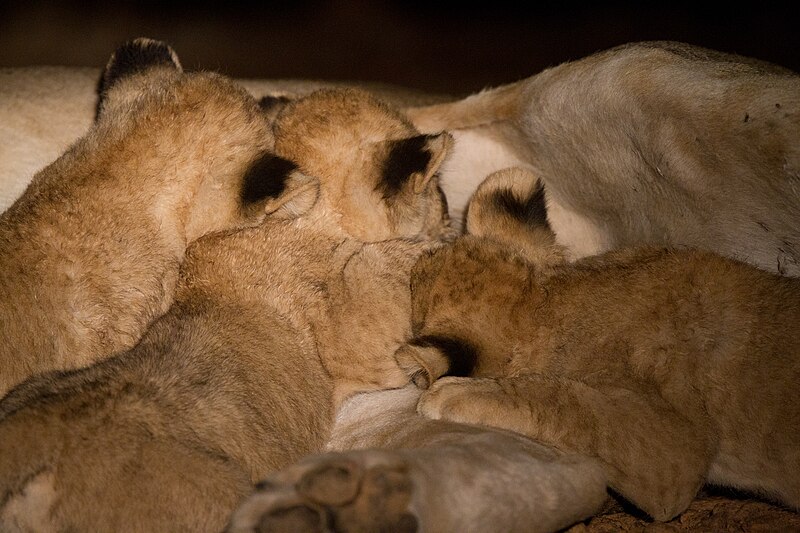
354, 492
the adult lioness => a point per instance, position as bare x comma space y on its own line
90, 252
650, 143
272, 328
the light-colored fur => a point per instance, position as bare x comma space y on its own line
424, 475
429, 475
585, 118
652, 144
271, 329
43, 110
645, 143
45, 95
90, 252
673, 367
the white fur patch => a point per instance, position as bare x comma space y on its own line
30, 510
579, 235
42, 111
364, 415
475, 155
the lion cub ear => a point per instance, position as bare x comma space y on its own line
134, 57
274, 186
272, 104
510, 207
411, 163
430, 357
422, 364
300, 195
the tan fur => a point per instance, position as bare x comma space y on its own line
582, 123
484, 219
440, 499
272, 327
650, 144
394, 470
90, 253
45, 109
353, 150
673, 367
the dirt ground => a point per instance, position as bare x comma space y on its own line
707, 514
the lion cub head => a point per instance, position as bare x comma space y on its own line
196, 145
508, 237
377, 173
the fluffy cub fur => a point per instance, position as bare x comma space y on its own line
673, 367
650, 143
382, 168
272, 327
45, 109
647, 144
90, 252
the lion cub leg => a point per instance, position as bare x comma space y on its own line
333, 492
654, 456
417, 478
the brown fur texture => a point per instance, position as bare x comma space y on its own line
661, 144
708, 512
673, 367
418, 482
272, 327
90, 253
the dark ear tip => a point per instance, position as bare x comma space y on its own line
136, 56
270, 102
405, 157
266, 178
272, 105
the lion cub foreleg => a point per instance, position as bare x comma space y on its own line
654, 456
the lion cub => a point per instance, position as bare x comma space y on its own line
271, 329
673, 367
90, 253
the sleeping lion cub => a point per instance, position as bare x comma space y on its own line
90, 253
272, 328
674, 367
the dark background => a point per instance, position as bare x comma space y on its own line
449, 46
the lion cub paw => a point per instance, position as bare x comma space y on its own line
344, 492
464, 400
